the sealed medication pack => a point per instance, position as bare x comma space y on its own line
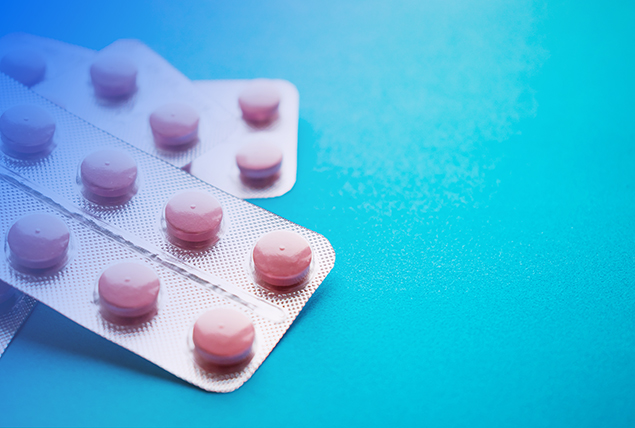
195, 280
243, 162
238, 135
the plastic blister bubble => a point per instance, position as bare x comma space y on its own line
193, 281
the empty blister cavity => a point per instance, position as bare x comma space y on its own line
27, 130
128, 290
27, 66
108, 176
259, 161
175, 126
282, 261
113, 76
193, 219
259, 101
223, 337
38, 242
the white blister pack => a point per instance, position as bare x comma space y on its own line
210, 312
156, 84
218, 166
245, 132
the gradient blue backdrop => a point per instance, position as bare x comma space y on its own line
472, 163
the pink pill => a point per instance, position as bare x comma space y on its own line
26, 66
174, 125
113, 76
109, 173
259, 101
224, 336
27, 129
38, 241
193, 217
129, 290
259, 160
282, 258
6, 292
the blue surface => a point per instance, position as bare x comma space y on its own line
472, 163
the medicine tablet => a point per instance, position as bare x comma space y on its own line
113, 76
27, 129
259, 160
174, 125
129, 290
259, 101
6, 292
282, 258
27, 66
109, 173
193, 217
38, 241
223, 336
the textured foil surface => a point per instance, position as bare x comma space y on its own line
12, 314
218, 165
192, 281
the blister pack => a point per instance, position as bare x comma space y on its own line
195, 280
219, 167
239, 135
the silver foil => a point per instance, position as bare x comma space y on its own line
192, 281
12, 314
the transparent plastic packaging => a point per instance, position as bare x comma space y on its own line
193, 281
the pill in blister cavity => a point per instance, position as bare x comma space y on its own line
129, 290
174, 126
193, 217
27, 66
223, 336
38, 241
259, 101
6, 292
259, 160
114, 76
27, 129
282, 258
109, 175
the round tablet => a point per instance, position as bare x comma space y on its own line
109, 173
27, 66
129, 289
259, 101
282, 258
223, 336
174, 125
6, 292
27, 128
193, 216
113, 76
259, 160
38, 241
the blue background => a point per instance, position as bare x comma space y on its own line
471, 162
